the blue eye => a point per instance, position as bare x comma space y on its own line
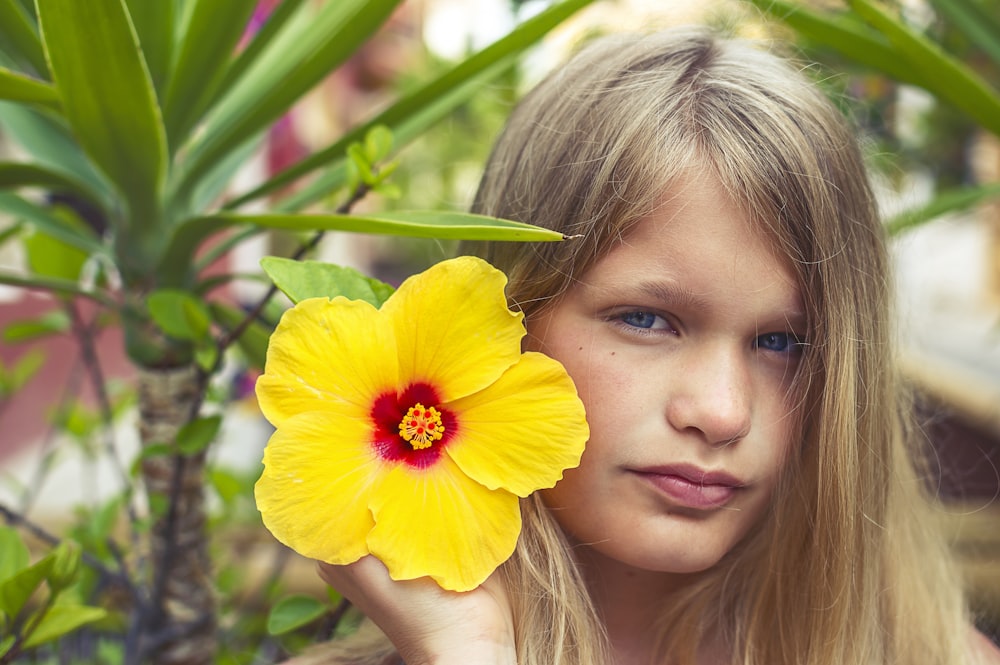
779, 342
639, 319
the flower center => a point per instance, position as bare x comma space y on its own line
421, 426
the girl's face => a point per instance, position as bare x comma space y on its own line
683, 342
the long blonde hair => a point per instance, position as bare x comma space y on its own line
847, 566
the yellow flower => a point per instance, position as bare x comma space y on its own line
410, 431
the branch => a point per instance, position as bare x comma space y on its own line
15, 519
227, 340
84, 335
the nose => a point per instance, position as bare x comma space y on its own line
712, 395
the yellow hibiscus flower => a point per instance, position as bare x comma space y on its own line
409, 431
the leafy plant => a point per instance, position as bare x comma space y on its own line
868, 33
27, 621
130, 119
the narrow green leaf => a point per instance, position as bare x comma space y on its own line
300, 280
208, 40
847, 34
154, 26
294, 612
197, 435
946, 76
20, 88
109, 101
20, 174
54, 322
61, 620
187, 237
415, 224
254, 339
50, 145
269, 89
179, 314
60, 286
17, 589
981, 26
260, 42
956, 200
19, 38
46, 221
14, 554
427, 104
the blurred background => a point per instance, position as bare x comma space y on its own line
53, 449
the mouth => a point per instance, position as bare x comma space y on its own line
692, 487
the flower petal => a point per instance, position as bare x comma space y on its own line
453, 327
520, 433
313, 494
325, 351
440, 523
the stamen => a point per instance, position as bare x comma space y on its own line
421, 426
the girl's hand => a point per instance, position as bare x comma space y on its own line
428, 625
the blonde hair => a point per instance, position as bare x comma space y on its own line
848, 566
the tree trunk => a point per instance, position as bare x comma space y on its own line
178, 628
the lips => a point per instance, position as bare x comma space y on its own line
691, 487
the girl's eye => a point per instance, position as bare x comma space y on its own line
644, 320
780, 343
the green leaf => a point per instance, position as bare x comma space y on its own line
206, 355
846, 33
197, 435
294, 612
17, 589
956, 200
50, 145
424, 106
54, 322
254, 339
416, 224
300, 280
50, 257
226, 484
53, 285
154, 26
19, 38
46, 221
26, 367
378, 143
20, 174
979, 25
109, 101
945, 76
179, 314
61, 620
260, 42
14, 555
21, 88
209, 37
289, 69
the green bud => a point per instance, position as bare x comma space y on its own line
65, 566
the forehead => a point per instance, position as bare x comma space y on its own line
698, 245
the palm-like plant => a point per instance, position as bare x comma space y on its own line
874, 36
130, 117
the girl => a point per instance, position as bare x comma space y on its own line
748, 494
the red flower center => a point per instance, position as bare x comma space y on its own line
411, 426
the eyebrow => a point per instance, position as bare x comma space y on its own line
678, 295
673, 293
